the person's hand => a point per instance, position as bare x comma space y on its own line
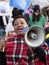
2, 45
3, 42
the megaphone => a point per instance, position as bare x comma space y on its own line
35, 36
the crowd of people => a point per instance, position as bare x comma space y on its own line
13, 47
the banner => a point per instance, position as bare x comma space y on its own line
21, 4
4, 8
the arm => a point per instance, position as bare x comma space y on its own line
2, 54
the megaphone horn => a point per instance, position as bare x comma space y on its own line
35, 36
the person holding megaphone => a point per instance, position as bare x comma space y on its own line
16, 48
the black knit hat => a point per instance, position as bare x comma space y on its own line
36, 8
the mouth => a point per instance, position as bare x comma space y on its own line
20, 30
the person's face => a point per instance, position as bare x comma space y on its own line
19, 24
37, 13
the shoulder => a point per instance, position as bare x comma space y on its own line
43, 16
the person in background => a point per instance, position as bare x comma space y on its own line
2, 33
47, 36
16, 12
44, 11
46, 27
17, 50
2, 55
2, 27
28, 12
37, 18
47, 13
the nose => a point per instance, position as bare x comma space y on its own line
19, 24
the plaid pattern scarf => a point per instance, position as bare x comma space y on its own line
16, 50
18, 53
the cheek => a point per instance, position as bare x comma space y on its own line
24, 25
15, 28
36, 13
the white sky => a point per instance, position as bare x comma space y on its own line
42, 3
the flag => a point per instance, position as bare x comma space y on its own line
20, 4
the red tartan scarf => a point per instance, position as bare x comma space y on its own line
18, 53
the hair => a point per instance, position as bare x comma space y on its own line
48, 11
16, 12
1, 22
44, 11
19, 16
36, 9
34, 18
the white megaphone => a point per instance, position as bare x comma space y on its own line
35, 36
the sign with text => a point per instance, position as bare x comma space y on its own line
4, 8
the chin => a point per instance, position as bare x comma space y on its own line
20, 33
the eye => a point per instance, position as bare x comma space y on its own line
16, 23
22, 22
